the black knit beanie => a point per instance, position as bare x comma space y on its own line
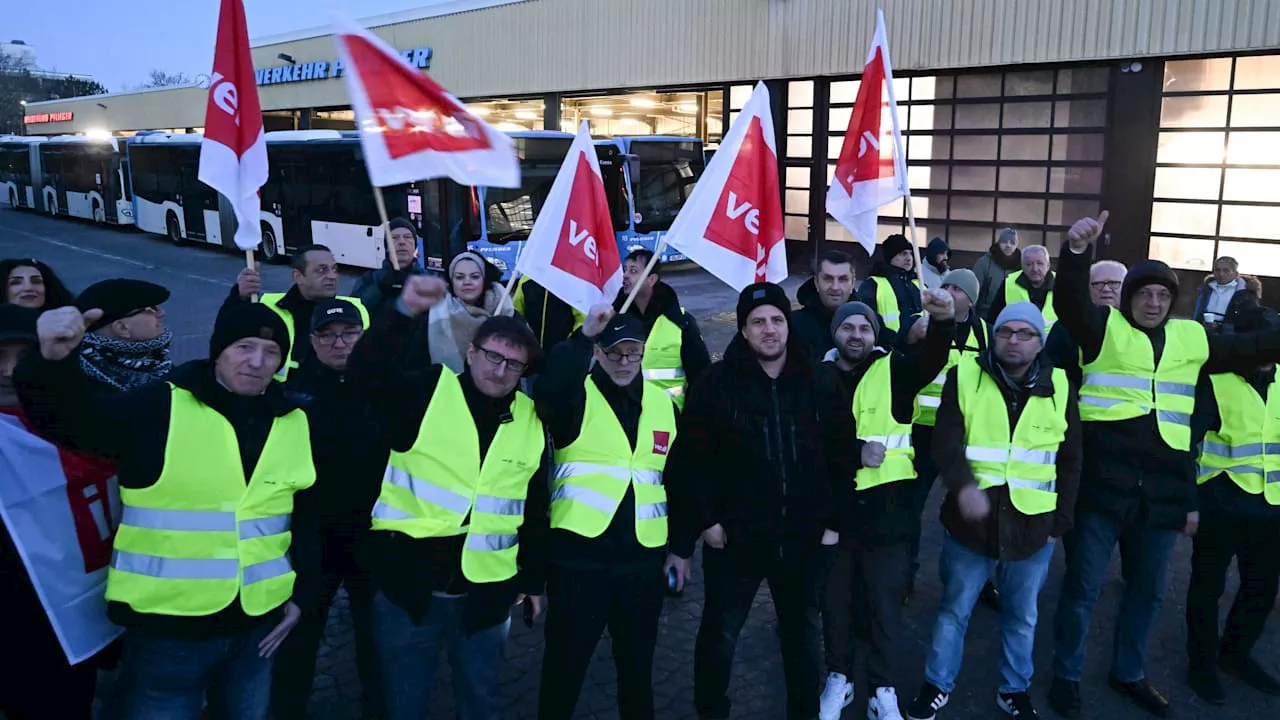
762, 293
893, 245
247, 320
400, 223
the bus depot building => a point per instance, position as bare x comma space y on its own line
1015, 113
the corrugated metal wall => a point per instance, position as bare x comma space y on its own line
573, 45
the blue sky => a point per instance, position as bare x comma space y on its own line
119, 43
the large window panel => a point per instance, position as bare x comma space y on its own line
1020, 211
1024, 147
1188, 218
980, 85
981, 178
1188, 183
796, 227
1194, 111
977, 117
1183, 253
975, 147
1023, 179
1027, 115
1251, 221
1032, 82
797, 177
1083, 147
1255, 110
1197, 75
1260, 72
1254, 148
981, 209
796, 201
1250, 185
1190, 147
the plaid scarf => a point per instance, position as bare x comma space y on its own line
125, 364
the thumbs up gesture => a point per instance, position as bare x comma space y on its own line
1085, 231
60, 330
422, 292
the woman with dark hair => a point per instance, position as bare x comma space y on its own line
475, 295
31, 284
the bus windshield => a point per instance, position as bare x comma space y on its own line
663, 174
510, 212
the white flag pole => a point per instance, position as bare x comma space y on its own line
899, 154
386, 228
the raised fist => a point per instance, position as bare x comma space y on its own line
1085, 231
939, 304
422, 292
597, 320
248, 283
60, 330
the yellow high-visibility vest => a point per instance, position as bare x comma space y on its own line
887, 302
272, 300
1123, 382
1015, 293
662, 365
930, 398
441, 487
201, 535
873, 415
592, 474
1247, 446
1024, 460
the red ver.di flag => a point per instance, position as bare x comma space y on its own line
732, 223
410, 127
233, 154
870, 172
571, 250
61, 510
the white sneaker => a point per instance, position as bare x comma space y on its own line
836, 696
884, 705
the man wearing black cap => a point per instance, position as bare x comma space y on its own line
347, 479
892, 289
768, 445
378, 289
129, 345
211, 567
1138, 486
616, 516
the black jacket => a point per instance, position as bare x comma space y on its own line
1064, 352
297, 306
812, 322
1006, 533
408, 570
562, 399
910, 301
131, 428
1220, 494
887, 514
1129, 473
378, 289
550, 318
694, 357
1038, 295
766, 457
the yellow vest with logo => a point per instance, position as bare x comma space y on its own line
1123, 382
887, 302
1015, 293
272, 300
930, 398
1247, 446
201, 536
661, 365
442, 488
592, 474
1024, 460
873, 415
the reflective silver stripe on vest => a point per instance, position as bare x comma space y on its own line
175, 568
499, 506
491, 543
975, 453
890, 442
183, 520
1175, 388
1169, 416
929, 401
428, 492
647, 477
651, 511
1101, 402
664, 374
1042, 485
1241, 451
1117, 380
383, 511
941, 379
891, 317
266, 570
262, 527
565, 471
586, 496
1273, 476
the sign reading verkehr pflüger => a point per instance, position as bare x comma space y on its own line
302, 72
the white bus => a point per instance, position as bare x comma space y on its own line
85, 178
168, 197
20, 171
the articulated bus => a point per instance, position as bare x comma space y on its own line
85, 178
20, 171
658, 174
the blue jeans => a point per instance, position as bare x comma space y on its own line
1144, 555
408, 655
964, 572
168, 678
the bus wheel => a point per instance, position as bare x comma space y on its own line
172, 230
98, 214
270, 253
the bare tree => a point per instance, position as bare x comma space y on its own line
19, 85
159, 78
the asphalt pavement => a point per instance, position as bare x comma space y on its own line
200, 279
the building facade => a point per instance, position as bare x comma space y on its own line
1019, 113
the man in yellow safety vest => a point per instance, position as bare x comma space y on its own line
211, 567
1008, 444
460, 520
1033, 283
892, 288
674, 353
618, 521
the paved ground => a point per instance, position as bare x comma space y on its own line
200, 278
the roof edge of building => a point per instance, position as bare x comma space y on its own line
103, 96
453, 7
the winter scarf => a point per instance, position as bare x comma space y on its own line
125, 364
452, 324
1010, 263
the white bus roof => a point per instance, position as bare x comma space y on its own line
159, 137
21, 139
83, 140
303, 135
540, 134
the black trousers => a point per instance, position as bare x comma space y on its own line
294, 669
730, 587
580, 605
39, 685
871, 598
837, 612
1255, 545
926, 475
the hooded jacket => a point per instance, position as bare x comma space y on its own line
378, 289
1215, 298
1006, 533
1037, 295
932, 271
812, 322
902, 281
991, 269
1129, 473
694, 357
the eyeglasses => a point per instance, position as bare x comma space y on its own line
1106, 284
1023, 334
497, 359
349, 337
619, 356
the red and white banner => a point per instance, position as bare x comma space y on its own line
731, 224
571, 250
233, 154
871, 171
410, 127
61, 510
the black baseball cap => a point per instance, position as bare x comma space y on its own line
120, 297
335, 310
17, 323
621, 329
